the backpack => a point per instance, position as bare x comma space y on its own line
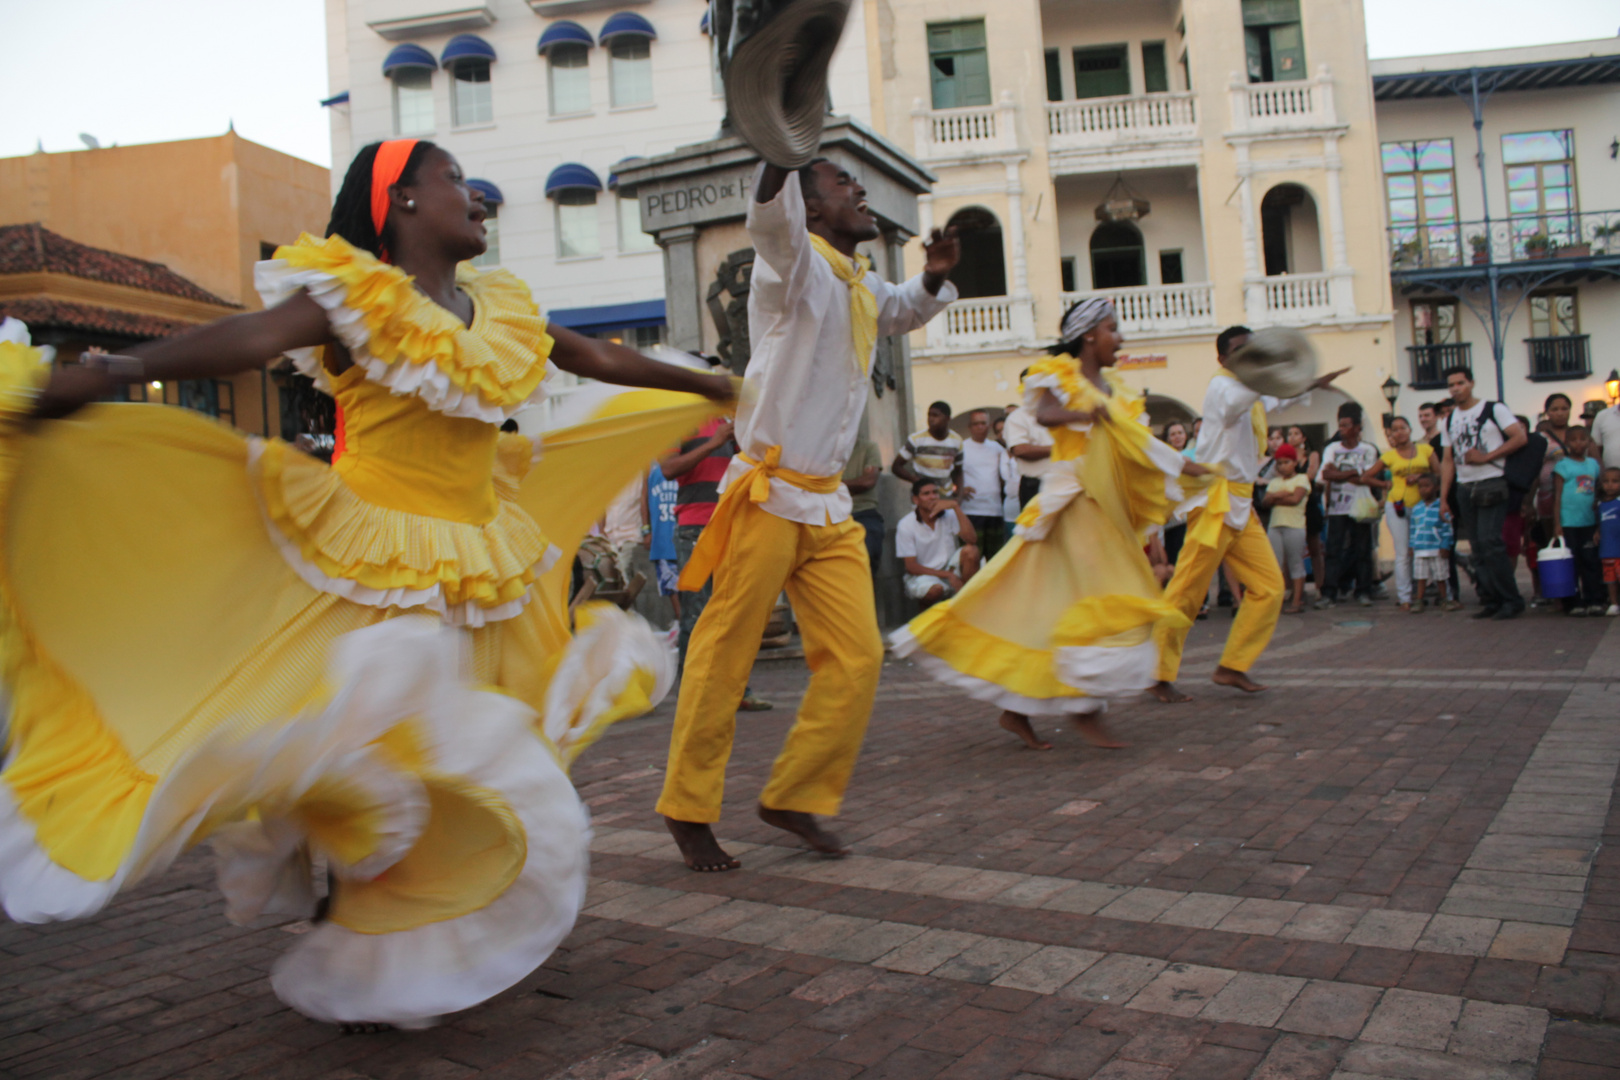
1522, 468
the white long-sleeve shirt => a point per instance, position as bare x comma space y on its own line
1227, 440
809, 391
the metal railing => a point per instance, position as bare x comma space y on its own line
1147, 309
1428, 361
1099, 121
1571, 234
1554, 358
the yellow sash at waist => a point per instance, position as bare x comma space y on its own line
1207, 530
711, 546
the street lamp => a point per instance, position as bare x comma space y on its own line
1612, 385
1392, 390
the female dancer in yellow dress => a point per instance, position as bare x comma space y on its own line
1061, 620
366, 666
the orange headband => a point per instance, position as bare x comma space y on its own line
385, 172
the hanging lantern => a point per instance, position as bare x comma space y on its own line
1122, 204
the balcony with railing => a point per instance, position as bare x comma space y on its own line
982, 324
1091, 133
1295, 299
1145, 310
965, 132
1428, 361
1465, 246
1270, 108
1565, 357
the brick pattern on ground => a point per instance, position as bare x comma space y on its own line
1275, 887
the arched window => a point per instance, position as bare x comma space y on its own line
1290, 235
410, 69
982, 270
492, 223
628, 38
570, 71
574, 188
468, 58
1117, 258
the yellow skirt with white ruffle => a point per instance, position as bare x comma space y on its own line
171, 676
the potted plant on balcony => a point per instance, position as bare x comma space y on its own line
1480, 244
1604, 238
1408, 253
1537, 246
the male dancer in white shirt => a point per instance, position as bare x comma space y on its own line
1221, 527
815, 314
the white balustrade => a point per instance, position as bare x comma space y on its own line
977, 129
1282, 106
1150, 309
981, 323
1299, 297
1103, 121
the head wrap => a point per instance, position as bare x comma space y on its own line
1084, 316
386, 169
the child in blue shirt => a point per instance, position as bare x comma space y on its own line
1609, 535
1429, 536
1575, 519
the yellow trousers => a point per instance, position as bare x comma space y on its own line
1249, 554
825, 571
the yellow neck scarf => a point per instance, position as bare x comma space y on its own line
862, 304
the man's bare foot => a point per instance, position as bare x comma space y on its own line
806, 828
1167, 693
1095, 733
1225, 676
699, 848
1018, 724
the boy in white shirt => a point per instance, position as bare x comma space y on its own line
937, 544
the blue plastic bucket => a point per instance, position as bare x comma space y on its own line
1556, 566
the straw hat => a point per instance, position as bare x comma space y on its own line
774, 58
1276, 361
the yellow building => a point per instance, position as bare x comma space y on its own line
207, 209
1202, 162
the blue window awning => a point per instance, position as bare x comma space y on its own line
466, 47
613, 173
565, 32
625, 24
591, 320
409, 56
572, 175
492, 194
336, 99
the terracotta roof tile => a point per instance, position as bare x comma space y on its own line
41, 314
32, 248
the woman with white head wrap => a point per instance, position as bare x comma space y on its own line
1061, 621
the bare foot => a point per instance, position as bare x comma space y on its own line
1167, 693
699, 848
1095, 733
1018, 724
806, 828
1225, 676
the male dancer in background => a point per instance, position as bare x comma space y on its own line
784, 515
1222, 527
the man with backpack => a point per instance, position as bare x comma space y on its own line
1487, 454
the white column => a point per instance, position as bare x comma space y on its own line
1238, 91
921, 129
1324, 100
1007, 121
1254, 289
1343, 282
1015, 231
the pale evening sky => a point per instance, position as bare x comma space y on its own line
179, 69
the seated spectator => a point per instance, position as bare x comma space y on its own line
934, 453
1429, 535
1286, 495
937, 545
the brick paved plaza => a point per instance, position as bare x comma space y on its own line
1382, 868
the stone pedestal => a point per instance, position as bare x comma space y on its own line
694, 202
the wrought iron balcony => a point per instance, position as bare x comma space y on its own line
1520, 239
1428, 361
1555, 358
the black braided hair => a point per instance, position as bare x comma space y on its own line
351, 213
